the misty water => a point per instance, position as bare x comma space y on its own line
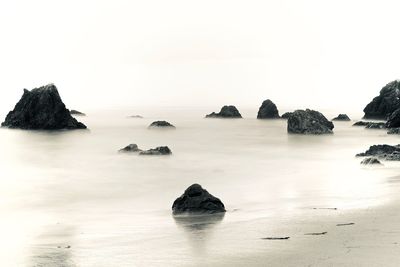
70, 199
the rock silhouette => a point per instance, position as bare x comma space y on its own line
130, 148
161, 124
161, 150
341, 117
226, 112
308, 122
268, 110
77, 113
386, 103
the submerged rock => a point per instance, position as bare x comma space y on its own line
394, 131
309, 122
136, 117
370, 161
361, 123
195, 199
394, 119
130, 148
385, 104
226, 112
386, 152
268, 110
341, 117
41, 109
161, 124
286, 115
77, 113
375, 125
161, 150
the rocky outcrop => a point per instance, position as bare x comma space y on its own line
41, 109
77, 113
341, 117
386, 152
370, 161
130, 148
385, 104
158, 151
308, 122
394, 131
226, 112
161, 124
268, 110
195, 199
394, 119
370, 124
361, 123
286, 115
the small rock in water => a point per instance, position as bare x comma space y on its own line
308, 122
341, 117
375, 125
286, 115
226, 112
268, 110
161, 150
161, 124
370, 161
361, 123
195, 199
130, 148
136, 117
77, 113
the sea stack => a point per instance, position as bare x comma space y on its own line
226, 112
195, 199
268, 110
308, 122
385, 104
41, 109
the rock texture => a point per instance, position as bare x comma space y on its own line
161, 124
361, 123
393, 119
268, 110
226, 112
161, 150
386, 152
385, 104
195, 199
41, 109
370, 161
375, 125
341, 117
130, 148
394, 131
77, 113
308, 122
286, 115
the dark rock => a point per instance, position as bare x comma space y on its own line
341, 117
41, 109
268, 110
370, 161
161, 124
195, 199
394, 119
286, 115
309, 122
130, 148
161, 150
226, 112
394, 131
361, 123
375, 125
77, 113
386, 152
384, 104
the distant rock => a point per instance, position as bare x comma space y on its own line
268, 110
385, 104
370, 161
77, 113
161, 150
135, 117
195, 199
393, 119
361, 123
394, 131
286, 115
309, 122
386, 152
341, 117
161, 124
41, 109
130, 148
226, 112
375, 125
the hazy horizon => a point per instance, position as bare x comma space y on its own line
107, 54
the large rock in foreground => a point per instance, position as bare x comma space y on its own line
195, 199
308, 122
41, 109
226, 112
268, 110
385, 104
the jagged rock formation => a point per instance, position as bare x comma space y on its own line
161, 150
130, 148
309, 122
341, 117
161, 124
41, 109
385, 104
268, 110
226, 112
394, 119
195, 199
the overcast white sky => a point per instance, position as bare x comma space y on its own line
116, 53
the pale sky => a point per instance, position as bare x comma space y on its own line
116, 53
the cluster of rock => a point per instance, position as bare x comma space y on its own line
268, 110
370, 124
195, 199
386, 152
158, 151
341, 117
309, 122
163, 124
41, 109
226, 112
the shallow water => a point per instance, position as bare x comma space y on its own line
69, 199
